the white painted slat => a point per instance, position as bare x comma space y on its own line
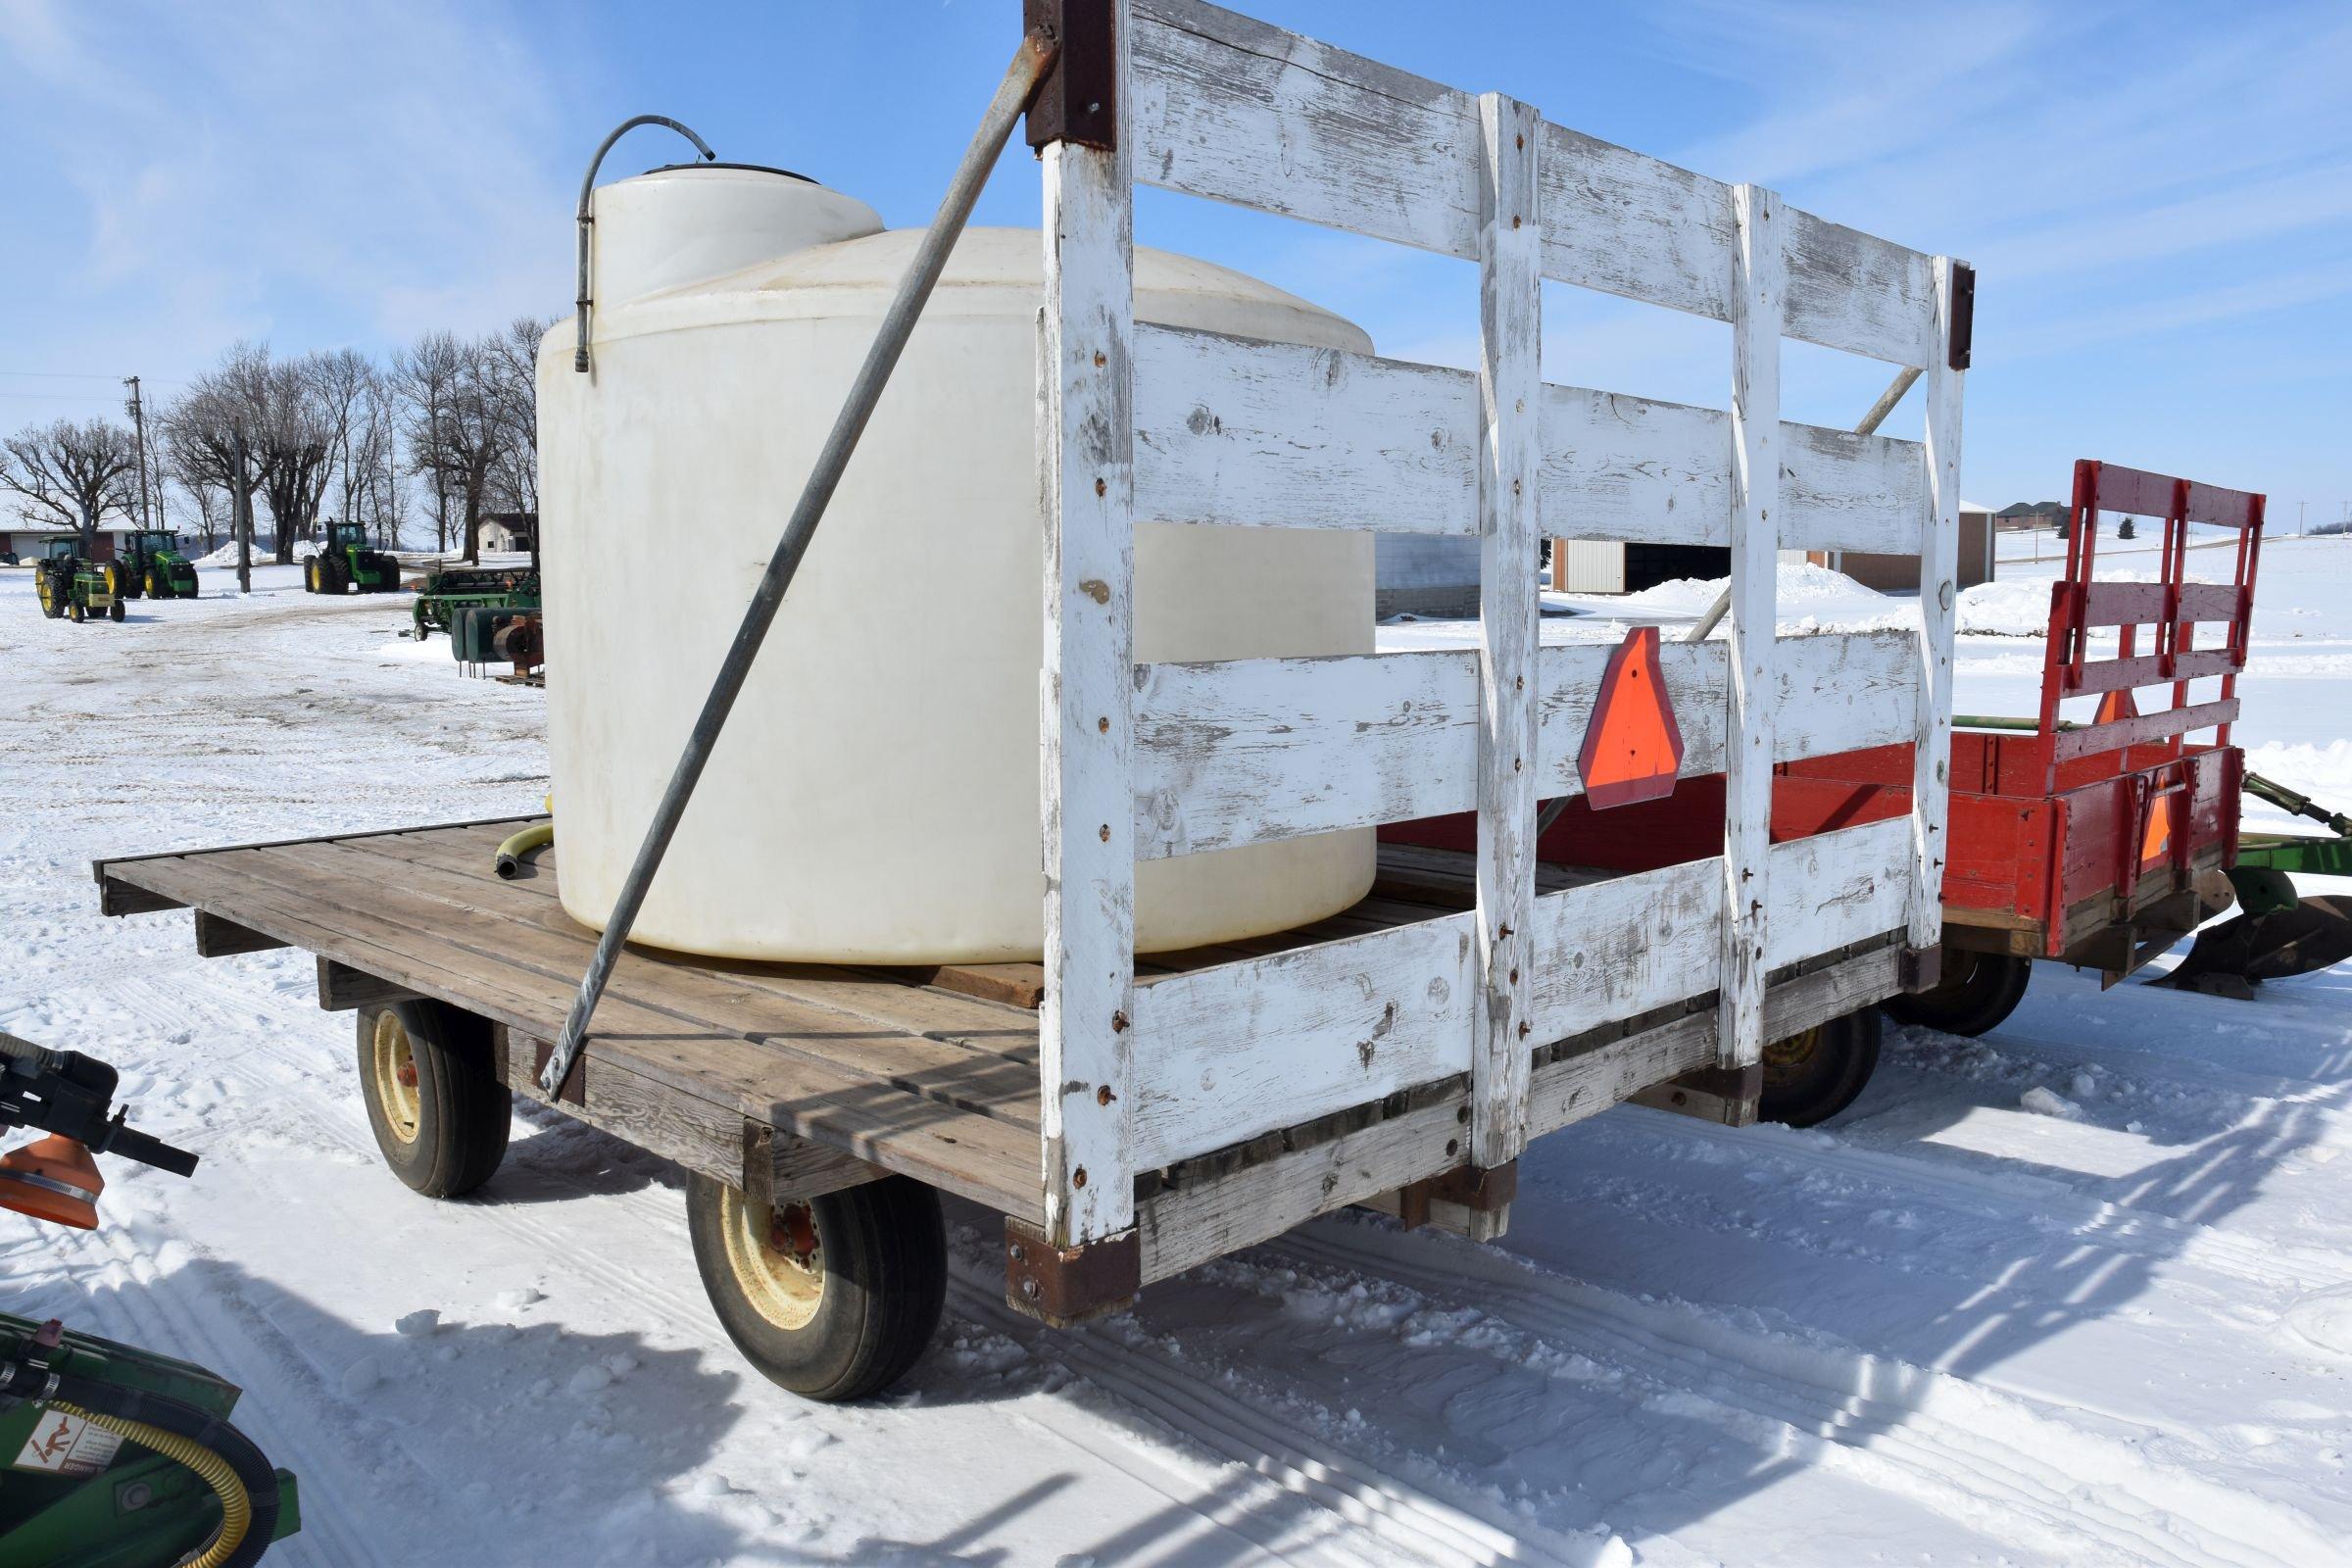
1617, 466
1843, 691
1085, 443
1226, 1052
1835, 888
1842, 491
1233, 430
1631, 226
1854, 292
1613, 949
1939, 592
1756, 302
1640, 228
1510, 418
1250, 750
1229, 108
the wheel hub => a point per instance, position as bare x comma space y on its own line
392, 1071
776, 1258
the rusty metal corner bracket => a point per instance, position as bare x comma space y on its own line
1078, 100
1065, 1285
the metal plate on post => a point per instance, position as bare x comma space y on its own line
1078, 100
1065, 1285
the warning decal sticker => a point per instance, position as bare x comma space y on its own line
67, 1445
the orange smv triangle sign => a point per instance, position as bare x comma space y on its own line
2159, 837
1633, 747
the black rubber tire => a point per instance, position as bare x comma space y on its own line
1978, 991
462, 1111
114, 609
885, 1252
76, 613
1826, 1080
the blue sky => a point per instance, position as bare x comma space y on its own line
2158, 198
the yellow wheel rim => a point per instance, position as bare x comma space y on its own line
392, 1078
1794, 1052
776, 1259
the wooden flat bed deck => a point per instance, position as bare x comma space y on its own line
809, 1076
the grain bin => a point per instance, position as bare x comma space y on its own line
874, 798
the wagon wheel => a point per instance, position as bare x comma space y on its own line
1977, 991
1812, 1076
440, 1113
834, 1298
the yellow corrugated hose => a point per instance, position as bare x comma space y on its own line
237, 1509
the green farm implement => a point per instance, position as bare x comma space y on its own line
2277, 933
72, 588
451, 592
114, 1456
345, 564
148, 564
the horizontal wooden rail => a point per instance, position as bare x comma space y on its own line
1237, 111
1225, 1053
2146, 670
2069, 744
1250, 751
1236, 431
1835, 889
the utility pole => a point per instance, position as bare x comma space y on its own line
2301, 506
240, 520
138, 424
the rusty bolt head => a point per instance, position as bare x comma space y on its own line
1104, 1096
1102, 726
1105, 833
1078, 1177
1526, 1029
1101, 487
1118, 1023
1099, 361
1029, 1289
1019, 1252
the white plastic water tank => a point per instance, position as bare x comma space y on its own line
874, 797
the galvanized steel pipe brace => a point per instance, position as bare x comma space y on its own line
580, 352
1029, 65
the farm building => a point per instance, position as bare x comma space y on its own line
30, 544
509, 532
1609, 566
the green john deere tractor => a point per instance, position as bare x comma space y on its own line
69, 586
345, 563
148, 564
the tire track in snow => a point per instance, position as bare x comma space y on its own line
1980, 1463
2129, 1229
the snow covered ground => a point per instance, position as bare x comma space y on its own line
2078, 1293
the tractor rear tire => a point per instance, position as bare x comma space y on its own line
835, 1299
438, 1111
1978, 991
1810, 1077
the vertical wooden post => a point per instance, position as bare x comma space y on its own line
1756, 306
1510, 387
1085, 467
1939, 592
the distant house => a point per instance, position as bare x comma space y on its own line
30, 543
2031, 514
509, 532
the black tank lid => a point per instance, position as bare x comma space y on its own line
757, 168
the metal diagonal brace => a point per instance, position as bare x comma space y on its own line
1029, 65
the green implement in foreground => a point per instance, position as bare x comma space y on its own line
345, 563
75, 1494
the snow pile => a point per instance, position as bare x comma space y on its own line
1809, 598
227, 555
2017, 607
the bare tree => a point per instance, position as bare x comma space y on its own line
458, 428
341, 383
511, 358
292, 443
426, 376
378, 489
71, 472
211, 431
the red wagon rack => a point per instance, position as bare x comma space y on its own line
2098, 841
